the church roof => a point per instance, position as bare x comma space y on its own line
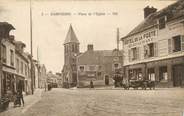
71, 37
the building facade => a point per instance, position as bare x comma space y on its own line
42, 76
7, 66
52, 80
59, 80
71, 50
154, 50
22, 69
98, 66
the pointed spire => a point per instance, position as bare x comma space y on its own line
71, 37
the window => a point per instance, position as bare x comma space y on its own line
116, 65
151, 74
21, 68
73, 48
163, 76
81, 68
17, 65
76, 48
149, 50
162, 23
3, 55
25, 69
135, 74
99, 74
176, 43
133, 54
11, 58
99, 67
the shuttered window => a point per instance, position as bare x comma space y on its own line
133, 54
129, 55
150, 50
177, 43
155, 49
137, 53
170, 46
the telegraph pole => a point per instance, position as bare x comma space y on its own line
1, 68
117, 38
31, 43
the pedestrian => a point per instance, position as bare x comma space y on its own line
91, 84
16, 99
20, 97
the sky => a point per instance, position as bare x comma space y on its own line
94, 22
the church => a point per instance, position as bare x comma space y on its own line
71, 50
92, 65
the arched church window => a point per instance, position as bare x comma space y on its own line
73, 48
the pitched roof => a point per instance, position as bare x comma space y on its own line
71, 37
96, 56
6, 25
172, 12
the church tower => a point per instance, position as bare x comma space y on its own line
71, 50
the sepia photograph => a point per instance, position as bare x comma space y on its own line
91, 57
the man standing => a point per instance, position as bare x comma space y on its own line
91, 84
20, 97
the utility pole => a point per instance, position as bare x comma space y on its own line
1, 68
31, 43
117, 42
117, 38
39, 68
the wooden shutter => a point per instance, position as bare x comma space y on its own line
145, 51
129, 55
182, 42
155, 49
137, 53
170, 46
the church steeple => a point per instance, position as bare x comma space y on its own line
71, 50
71, 37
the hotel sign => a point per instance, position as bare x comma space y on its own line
140, 39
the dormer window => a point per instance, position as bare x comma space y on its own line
162, 22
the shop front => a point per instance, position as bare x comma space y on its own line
167, 72
135, 72
8, 84
20, 83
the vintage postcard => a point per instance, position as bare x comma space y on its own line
91, 57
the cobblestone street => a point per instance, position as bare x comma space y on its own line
101, 102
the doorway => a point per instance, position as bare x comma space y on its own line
178, 75
106, 79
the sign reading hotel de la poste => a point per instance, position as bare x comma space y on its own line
141, 38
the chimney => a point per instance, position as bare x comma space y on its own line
149, 10
90, 47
